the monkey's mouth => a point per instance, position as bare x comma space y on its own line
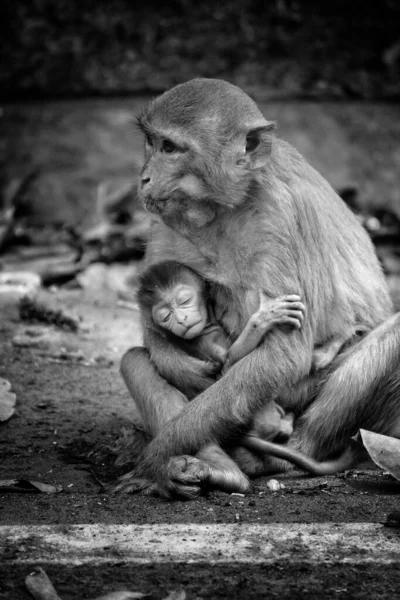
155, 205
193, 330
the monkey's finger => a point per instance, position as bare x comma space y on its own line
294, 314
291, 298
292, 321
294, 306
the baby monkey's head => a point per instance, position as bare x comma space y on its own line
174, 297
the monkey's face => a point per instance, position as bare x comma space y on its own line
205, 144
182, 310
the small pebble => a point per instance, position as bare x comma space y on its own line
274, 485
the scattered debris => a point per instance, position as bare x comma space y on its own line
39, 585
64, 355
12, 201
384, 451
274, 485
393, 519
123, 595
117, 278
27, 486
7, 400
33, 337
178, 595
60, 254
19, 283
373, 482
32, 310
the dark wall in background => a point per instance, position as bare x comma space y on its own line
331, 48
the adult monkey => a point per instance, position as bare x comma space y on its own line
245, 210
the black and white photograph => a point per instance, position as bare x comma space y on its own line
199, 300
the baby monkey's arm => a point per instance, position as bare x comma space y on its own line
284, 310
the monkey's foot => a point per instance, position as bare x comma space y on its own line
189, 476
131, 483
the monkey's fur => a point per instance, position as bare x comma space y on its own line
189, 307
244, 209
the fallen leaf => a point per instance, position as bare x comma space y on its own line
39, 585
19, 283
384, 451
7, 400
26, 486
178, 595
123, 595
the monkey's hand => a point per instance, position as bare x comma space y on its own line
189, 374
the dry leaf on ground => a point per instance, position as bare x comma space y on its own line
384, 451
39, 585
7, 400
123, 595
26, 486
177, 595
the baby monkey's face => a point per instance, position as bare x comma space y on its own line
182, 309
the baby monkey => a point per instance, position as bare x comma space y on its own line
175, 296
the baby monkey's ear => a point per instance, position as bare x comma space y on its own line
258, 145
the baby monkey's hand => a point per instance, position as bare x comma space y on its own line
283, 310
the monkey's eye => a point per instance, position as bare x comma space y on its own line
168, 147
252, 141
185, 302
163, 315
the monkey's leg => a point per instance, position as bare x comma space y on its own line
272, 423
158, 402
363, 390
226, 409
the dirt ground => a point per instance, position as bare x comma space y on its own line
72, 409
67, 410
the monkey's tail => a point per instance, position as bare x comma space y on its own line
345, 461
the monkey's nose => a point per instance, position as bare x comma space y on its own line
145, 181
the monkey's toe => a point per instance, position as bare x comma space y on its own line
131, 484
185, 469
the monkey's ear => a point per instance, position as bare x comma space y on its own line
258, 145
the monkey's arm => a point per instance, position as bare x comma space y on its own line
185, 372
228, 406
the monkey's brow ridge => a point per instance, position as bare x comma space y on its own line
144, 125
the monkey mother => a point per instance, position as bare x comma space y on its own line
244, 209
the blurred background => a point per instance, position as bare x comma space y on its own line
74, 73
331, 49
